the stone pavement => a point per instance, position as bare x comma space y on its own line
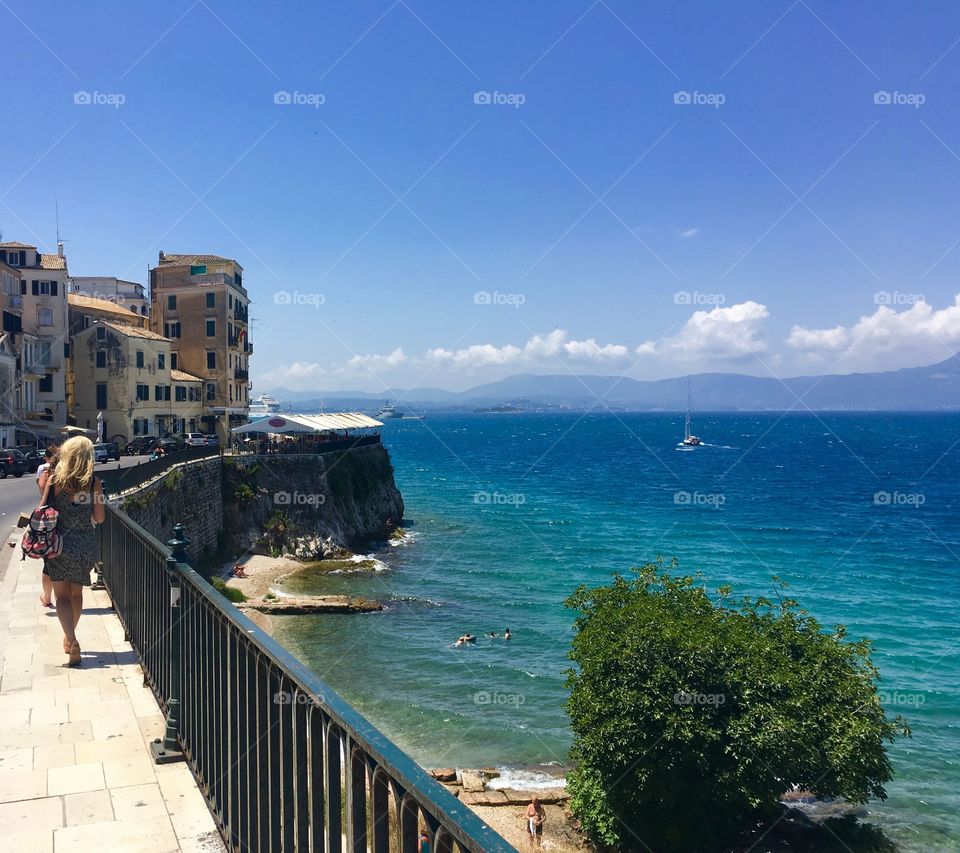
75, 766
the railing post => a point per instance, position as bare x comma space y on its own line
168, 750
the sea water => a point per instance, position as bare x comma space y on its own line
506, 514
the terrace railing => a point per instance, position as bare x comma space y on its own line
283, 762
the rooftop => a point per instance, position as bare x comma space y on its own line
193, 260
98, 304
180, 376
52, 262
14, 244
133, 331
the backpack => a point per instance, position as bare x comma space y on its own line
42, 541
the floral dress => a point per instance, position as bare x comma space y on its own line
79, 534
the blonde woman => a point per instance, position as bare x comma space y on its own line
78, 496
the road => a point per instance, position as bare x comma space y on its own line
19, 494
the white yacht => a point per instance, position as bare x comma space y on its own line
689, 440
263, 406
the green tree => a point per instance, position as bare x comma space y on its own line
692, 715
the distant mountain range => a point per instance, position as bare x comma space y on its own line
932, 388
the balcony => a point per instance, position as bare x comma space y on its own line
241, 313
212, 278
241, 374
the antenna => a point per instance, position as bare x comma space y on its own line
56, 208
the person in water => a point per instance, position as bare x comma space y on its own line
492, 635
506, 634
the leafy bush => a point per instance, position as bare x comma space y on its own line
231, 593
691, 716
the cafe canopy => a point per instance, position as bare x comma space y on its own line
307, 424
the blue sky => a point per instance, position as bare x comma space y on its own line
645, 188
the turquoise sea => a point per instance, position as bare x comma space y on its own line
509, 513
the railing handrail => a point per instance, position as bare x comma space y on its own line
462, 823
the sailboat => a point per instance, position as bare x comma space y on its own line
689, 440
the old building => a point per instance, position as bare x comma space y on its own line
200, 304
11, 340
125, 372
129, 295
45, 347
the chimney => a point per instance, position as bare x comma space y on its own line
161, 256
60, 248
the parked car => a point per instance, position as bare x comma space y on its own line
113, 450
12, 461
140, 446
213, 441
194, 439
101, 453
33, 455
169, 445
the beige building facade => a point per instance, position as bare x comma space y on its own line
125, 372
200, 304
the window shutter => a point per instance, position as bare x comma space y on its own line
35, 287
53, 288
23, 287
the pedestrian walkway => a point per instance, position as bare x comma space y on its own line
75, 766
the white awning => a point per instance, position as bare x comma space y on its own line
309, 423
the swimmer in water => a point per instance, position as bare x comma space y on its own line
506, 634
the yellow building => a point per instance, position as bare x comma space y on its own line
200, 304
125, 372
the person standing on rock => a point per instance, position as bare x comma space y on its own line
74, 492
536, 817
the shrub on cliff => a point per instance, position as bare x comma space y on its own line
692, 715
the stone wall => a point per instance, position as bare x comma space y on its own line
307, 507
189, 494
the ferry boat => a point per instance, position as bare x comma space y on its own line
389, 412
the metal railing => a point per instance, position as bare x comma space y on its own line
283, 762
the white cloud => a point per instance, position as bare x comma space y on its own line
886, 339
723, 334
372, 362
296, 375
539, 349
687, 233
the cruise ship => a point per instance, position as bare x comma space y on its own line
263, 406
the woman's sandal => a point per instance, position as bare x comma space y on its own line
74, 659
66, 646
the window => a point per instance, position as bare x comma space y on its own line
195, 395
211, 360
211, 328
161, 392
101, 333
86, 322
46, 384
44, 288
173, 361
211, 390
161, 361
44, 316
230, 300
102, 358
211, 300
231, 392
181, 394
198, 269
171, 330
143, 393
171, 303
101, 395
139, 358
